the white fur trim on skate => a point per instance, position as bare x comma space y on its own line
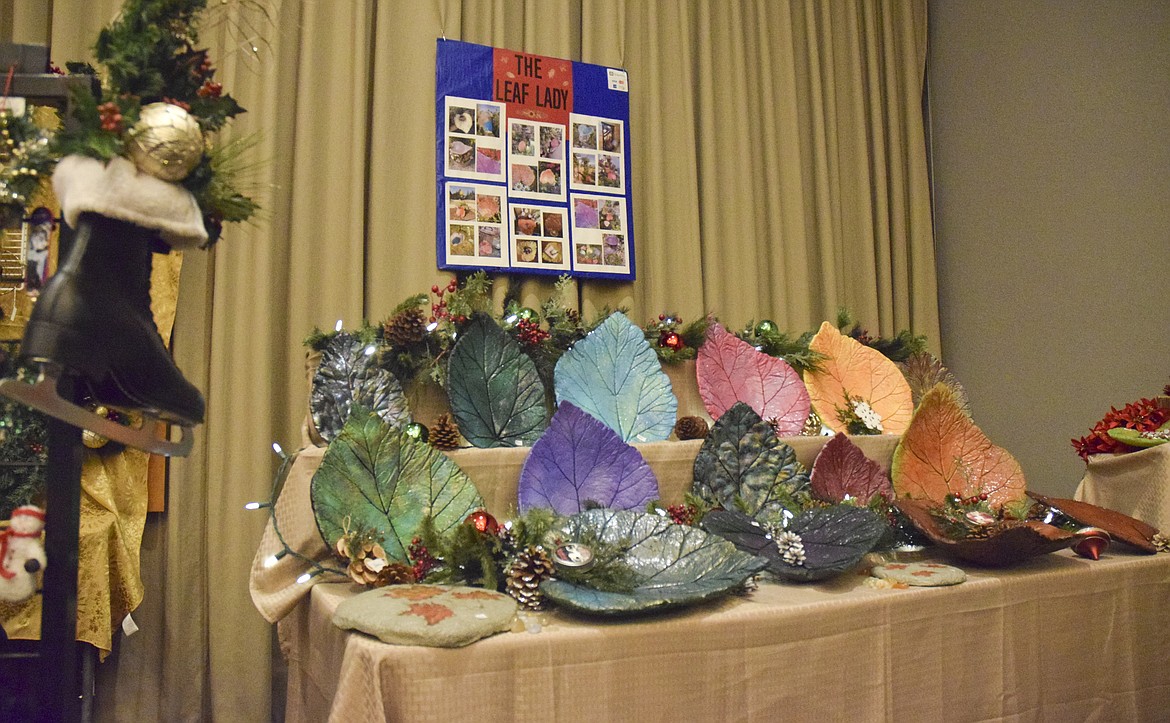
119, 190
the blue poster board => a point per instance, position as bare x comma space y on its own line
532, 164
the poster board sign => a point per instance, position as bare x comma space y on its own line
532, 163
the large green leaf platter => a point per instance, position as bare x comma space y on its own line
374, 477
676, 565
495, 391
348, 375
614, 375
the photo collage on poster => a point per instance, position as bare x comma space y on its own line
600, 228
475, 225
531, 195
538, 234
474, 139
597, 161
536, 160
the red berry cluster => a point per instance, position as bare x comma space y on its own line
56, 69
682, 514
421, 558
181, 103
529, 333
210, 89
973, 499
439, 309
111, 117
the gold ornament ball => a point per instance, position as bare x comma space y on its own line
166, 142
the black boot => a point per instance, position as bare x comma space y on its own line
93, 319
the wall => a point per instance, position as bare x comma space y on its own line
1051, 152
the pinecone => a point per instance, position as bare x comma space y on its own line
367, 561
528, 569
405, 328
444, 434
396, 573
812, 425
691, 428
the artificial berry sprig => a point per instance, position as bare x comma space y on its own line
210, 89
422, 562
529, 333
111, 117
683, 514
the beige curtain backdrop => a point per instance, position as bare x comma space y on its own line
779, 172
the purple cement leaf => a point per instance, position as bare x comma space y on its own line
577, 460
730, 370
841, 469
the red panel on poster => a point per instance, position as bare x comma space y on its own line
535, 87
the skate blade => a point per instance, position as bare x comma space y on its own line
42, 396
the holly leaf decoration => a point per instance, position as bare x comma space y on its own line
349, 376
943, 453
675, 565
614, 375
852, 371
730, 370
743, 465
496, 394
375, 478
841, 470
832, 539
579, 460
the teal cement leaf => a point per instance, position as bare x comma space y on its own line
616, 377
496, 393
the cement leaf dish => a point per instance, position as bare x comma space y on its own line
678, 565
496, 393
375, 477
730, 370
614, 375
579, 460
349, 375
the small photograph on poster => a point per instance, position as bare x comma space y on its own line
474, 149
600, 165
538, 237
584, 133
599, 237
552, 142
535, 168
474, 225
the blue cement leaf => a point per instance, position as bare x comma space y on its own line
614, 375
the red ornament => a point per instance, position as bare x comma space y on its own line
1092, 542
483, 522
671, 340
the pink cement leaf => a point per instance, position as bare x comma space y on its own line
841, 469
730, 370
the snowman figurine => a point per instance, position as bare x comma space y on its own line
21, 554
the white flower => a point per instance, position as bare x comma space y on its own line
868, 417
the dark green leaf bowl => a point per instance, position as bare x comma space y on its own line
677, 565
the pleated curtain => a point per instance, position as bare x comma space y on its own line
779, 171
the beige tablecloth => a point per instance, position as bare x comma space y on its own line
495, 472
1057, 639
1135, 483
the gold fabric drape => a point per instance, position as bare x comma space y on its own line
779, 172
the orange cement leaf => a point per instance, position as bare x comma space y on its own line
943, 452
852, 369
433, 613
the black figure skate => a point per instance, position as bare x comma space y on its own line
93, 319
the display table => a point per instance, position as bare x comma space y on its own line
1058, 638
